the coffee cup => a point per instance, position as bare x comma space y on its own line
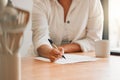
102, 48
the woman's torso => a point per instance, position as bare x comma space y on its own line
76, 20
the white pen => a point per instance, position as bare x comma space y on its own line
51, 42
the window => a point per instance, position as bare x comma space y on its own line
114, 23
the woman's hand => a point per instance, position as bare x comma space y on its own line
55, 54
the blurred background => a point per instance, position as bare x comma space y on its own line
27, 38
114, 23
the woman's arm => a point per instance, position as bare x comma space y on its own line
71, 47
40, 26
94, 27
41, 32
44, 50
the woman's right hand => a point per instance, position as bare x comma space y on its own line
55, 54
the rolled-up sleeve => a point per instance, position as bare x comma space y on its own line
94, 27
39, 24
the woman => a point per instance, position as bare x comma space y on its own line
74, 25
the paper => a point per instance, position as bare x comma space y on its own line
70, 58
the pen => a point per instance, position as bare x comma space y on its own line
51, 42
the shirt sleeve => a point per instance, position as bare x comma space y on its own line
39, 24
94, 27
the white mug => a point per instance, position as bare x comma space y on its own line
102, 48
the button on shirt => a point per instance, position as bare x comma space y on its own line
84, 23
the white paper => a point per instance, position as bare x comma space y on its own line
70, 58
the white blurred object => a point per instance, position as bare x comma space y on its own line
13, 21
3, 4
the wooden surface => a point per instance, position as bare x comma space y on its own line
102, 69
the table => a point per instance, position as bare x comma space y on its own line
102, 69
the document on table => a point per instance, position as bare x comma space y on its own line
70, 58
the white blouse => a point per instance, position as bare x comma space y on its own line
84, 23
